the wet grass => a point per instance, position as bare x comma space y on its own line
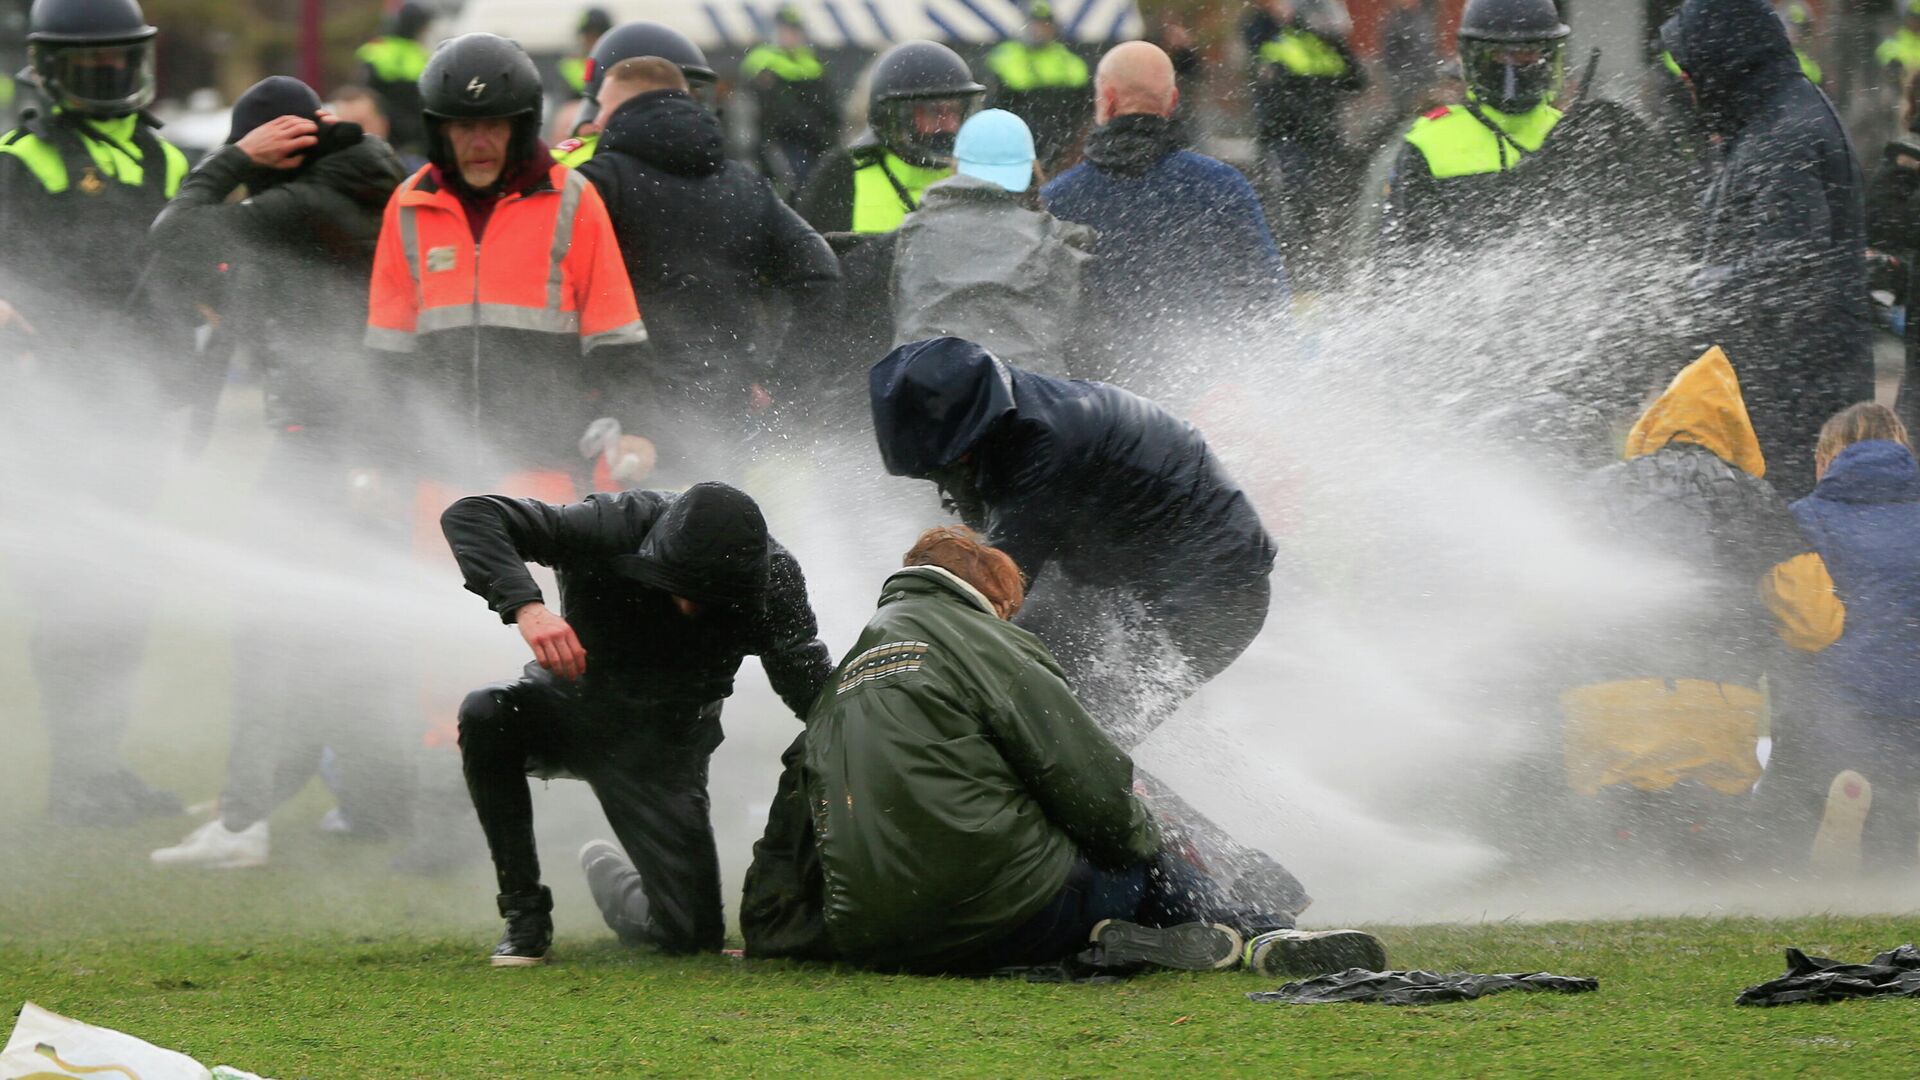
338, 970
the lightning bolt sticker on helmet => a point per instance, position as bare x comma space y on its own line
476, 87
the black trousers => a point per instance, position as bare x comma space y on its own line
646, 761
289, 709
1133, 657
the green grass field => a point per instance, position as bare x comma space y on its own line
338, 970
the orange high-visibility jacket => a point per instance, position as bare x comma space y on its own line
548, 263
498, 332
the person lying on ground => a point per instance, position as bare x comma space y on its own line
662, 596
969, 815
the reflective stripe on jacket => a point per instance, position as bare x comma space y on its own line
394, 59
548, 262
787, 65
112, 145
877, 203
1455, 142
1020, 67
1304, 53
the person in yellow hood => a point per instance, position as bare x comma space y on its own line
1665, 733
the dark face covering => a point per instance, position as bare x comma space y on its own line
959, 486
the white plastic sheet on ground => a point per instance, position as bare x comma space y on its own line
48, 1046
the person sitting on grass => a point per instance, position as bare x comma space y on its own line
1852, 761
969, 815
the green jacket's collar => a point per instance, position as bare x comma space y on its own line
911, 579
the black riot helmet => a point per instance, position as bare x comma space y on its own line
919, 95
92, 57
481, 77
1512, 52
643, 38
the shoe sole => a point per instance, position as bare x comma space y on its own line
1322, 952
239, 862
517, 961
1187, 947
1836, 847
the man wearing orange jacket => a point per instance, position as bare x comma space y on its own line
499, 272
499, 307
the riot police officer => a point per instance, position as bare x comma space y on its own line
920, 94
79, 184
799, 113
624, 42
1040, 79
392, 64
1455, 162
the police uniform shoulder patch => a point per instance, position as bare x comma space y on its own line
568, 146
1439, 113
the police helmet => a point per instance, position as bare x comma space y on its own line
789, 15
411, 20
481, 77
643, 38
92, 57
1513, 52
593, 22
908, 81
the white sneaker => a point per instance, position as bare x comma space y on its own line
213, 847
1836, 847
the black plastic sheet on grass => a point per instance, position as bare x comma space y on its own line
1819, 981
1416, 987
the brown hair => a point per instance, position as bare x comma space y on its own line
647, 73
1858, 423
961, 552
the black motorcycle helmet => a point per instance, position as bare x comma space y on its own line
916, 75
481, 77
1513, 52
643, 38
92, 57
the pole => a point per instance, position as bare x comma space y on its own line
310, 43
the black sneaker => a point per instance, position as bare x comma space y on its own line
1314, 952
529, 933
110, 799
615, 886
1186, 947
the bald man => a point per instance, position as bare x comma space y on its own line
1184, 251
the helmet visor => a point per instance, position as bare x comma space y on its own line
98, 80
1513, 76
923, 130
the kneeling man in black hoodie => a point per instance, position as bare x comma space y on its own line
666, 594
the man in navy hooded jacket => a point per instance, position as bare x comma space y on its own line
1148, 563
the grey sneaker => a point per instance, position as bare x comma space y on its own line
1314, 952
1186, 947
616, 890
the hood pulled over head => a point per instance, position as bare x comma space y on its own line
709, 546
1736, 53
670, 131
1130, 145
1701, 407
934, 400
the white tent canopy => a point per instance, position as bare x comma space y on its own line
543, 26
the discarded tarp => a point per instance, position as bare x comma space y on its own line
45, 1046
1816, 979
1415, 987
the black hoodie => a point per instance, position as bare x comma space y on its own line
621, 559
703, 238
1784, 286
298, 253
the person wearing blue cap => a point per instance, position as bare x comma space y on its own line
980, 260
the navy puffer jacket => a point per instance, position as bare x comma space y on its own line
1862, 519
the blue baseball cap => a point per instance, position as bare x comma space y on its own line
995, 145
